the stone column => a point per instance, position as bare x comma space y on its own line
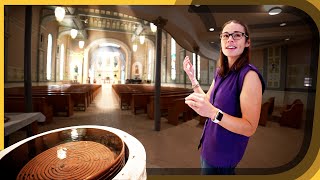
27, 59
160, 23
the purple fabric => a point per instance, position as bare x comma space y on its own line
221, 147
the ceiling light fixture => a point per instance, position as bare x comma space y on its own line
59, 12
153, 27
283, 24
287, 39
275, 11
81, 44
73, 33
142, 38
211, 29
134, 47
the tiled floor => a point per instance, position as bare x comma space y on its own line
176, 146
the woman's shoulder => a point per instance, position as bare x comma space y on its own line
246, 68
251, 67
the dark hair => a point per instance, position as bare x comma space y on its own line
241, 61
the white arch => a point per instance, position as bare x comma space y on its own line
96, 42
64, 32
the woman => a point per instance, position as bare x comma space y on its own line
232, 104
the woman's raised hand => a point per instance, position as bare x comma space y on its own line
188, 68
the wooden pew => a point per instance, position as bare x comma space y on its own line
82, 95
125, 100
165, 102
179, 106
124, 93
141, 100
79, 98
61, 102
39, 104
129, 100
90, 90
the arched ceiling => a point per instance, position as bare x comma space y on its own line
189, 24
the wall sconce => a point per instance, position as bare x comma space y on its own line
142, 38
73, 33
81, 44
153, 27
59, 12
134, 47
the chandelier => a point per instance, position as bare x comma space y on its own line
73, 33
142, 37
81, 44
59, 12
134, 47
153, 27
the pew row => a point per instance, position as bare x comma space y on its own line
166, 101
179, 107
64, 99
39, 104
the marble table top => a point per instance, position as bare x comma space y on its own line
20, 120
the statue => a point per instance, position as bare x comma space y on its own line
136, 69
76, 69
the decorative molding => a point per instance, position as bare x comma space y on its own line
274, 67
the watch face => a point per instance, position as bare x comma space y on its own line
219, 116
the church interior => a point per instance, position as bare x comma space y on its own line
101, 65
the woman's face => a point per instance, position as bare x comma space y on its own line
233, 48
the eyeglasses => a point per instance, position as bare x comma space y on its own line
235, 35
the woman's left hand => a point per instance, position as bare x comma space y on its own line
188, 68
200, 103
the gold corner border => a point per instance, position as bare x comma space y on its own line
311, 7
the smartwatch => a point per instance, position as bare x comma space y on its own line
218, 117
